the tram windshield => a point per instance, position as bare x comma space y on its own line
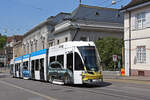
90, 57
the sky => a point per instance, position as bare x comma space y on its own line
19, 16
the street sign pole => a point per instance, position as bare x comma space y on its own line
114, 60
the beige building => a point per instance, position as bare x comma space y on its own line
137, 38
17, 49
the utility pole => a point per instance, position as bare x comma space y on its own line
77, 30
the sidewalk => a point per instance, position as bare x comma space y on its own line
139, 78
116, 75
4, 73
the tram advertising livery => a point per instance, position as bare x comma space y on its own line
74, 62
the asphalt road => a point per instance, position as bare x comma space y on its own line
19, 89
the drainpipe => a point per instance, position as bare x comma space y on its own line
129, 43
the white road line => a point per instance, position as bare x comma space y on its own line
28, 90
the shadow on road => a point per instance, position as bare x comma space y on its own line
96, 85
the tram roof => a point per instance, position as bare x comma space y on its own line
74, 44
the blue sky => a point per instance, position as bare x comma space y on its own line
19, 16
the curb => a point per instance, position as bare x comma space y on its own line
129, 78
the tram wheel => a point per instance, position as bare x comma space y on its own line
67, 80
51, 79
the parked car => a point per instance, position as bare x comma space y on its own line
58, 72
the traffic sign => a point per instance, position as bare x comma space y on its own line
114, 58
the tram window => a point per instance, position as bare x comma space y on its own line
42, 63
70, 61
25, 68
60, 59
37, 64
19, 66
16, 67
78, 62
52, 59
24, 64
27, 63
33, 64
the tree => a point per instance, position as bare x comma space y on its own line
2, 41
108, 47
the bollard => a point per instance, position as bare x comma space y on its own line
122, 72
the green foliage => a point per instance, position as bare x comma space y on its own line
108, 47
2, 41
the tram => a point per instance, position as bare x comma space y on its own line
74, 62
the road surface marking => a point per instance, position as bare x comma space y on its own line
129, 81
28, 90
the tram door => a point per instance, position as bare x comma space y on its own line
70, 61
19, 69
32, 69
42, 69
15, 71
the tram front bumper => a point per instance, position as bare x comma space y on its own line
90, 78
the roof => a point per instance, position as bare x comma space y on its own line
52, 20
100, 14
83, 12
134, 3
14, 38
60, 17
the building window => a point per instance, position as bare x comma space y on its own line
43, 45
83, 38
36, 45
140, 19
57, 41
96, 13
141, 54
50, 44
31, 47
24, 49
66, 39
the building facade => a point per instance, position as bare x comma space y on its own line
137, 38
17, 49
